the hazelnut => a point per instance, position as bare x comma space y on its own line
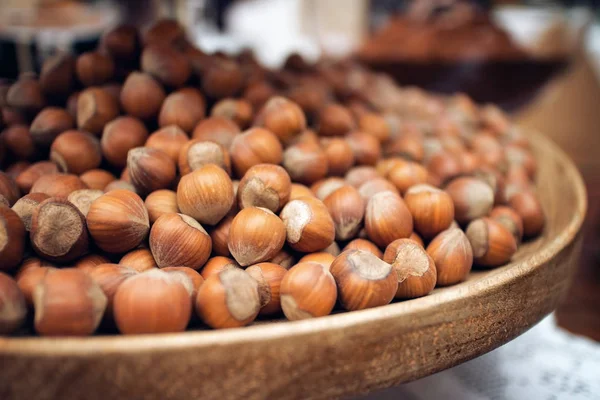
284, 258
384, 166
387, 218
161, 202
139, 259
432, 209
16, 168
83, 198
282, 117
228, 299
443, 167
220, 236
258, 93
408, 147
305, 162
452, 255
363, 280
13, 309
97, 179
269, 277
67, 302
25, 206
366, 147
150, 169
414, 267
187, 274
122, 43
374, 186
166, 32
340, 157
256, 235
222, 78
50, 123
120, 136
472, 197
520, 157
299, 190
252, 147
109, 277
347, 210
25, 95
309, 227
57, 75
307, 290
68, 148
196, 154
183, 108
488, 149
142, 96
29, 176
57, 185
218, 130
406, 175
307, 136
18, 142
152, 302
529, 208
237, 110
358, 175
8, 188
375, 125
94, 68
364, 245
169, 139
323, 258
95, 108
491, 242
264, 185
205, 194
311, 97
89, 262
494, 179
119, 185
31, 272
118, 221
166, 64
335, 120
323, 188
510, 219
217, 264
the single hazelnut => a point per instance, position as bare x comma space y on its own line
8, 188
443, 166
358, 175
94, 68
299, 190
67, 150
190, 278
432, 209
340, 157
258, 93
109, 277
50, 123
152, 302
216, 129
305, 162
510, 219
492, 244
374, 186
57, 185
529, 208
284, 258
366, 147
30, 273
494, 179
307, 290
118, 221
18, 142
307, 136
13, 309
97, 179
169, 139
408, 147
220, 236
252, 147
183, 108
166, 64
205, 194
67, 302
29, 176
256, 235
323, 258
140, 259
472, 198
452, 255
119, 185
57, 77
161, 202
89, 262
375, 125
223, 78
25, 95
365, 245
264, 185
197, 153
269, 277
363, 280
217, 264
311, 97
120, 136
324, 187
95, 108
406, 175
309, 227
141, 96
166, 32
387, 218
283, 117
122, 43
237, 110
347, 210
335, 120
414, 267
150, 169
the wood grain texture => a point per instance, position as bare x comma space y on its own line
343, 354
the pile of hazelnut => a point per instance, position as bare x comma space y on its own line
149, 187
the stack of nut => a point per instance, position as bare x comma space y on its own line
148, 187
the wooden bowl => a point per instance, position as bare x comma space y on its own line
342, 354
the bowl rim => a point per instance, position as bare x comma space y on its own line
127, 344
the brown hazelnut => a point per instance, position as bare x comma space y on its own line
432, 209
520, 157
385, 165
27, 178
258, 93
30, 273
222, 78
255, 146
237, 110
57, 75
488, 149
205, 194
25, 95
67, 302
83, 198
50, 123
217, 264
443, 167
285, 258
57, 185
335, 120
365, 245
264, 185
76, 152
16, 168
187, 274
142, 96
494, 179
109, 277
255, 235
347, 210
375, 125
282, 117
452, 255
228, 299
406, 175
323, 258
166, 32
269, 277
340, 157
13, 309
309, 227
120, 136
366, 147
306, 163
220, 236
310, 97
139, 259
374, 186
8, 188
25, 206
119, 185
529, 208
95, 108
152, 302
472, 197
89, 262
197, 153
150, 169
408, 147
94, 68
161, 202
299, 190
18, 142
323, 188
387, 218
307, 290
121, 42
183, 108
307, 136
216, 129
12, 239
358, 175
118, 221
415, 268
510, 219
491, 242
363, 280
97, 179
169, 139
166, 64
